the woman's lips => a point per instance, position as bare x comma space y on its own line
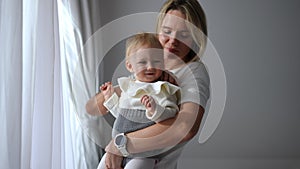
172, 50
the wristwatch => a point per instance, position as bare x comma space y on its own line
121, 142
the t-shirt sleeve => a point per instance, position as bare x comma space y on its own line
194, 83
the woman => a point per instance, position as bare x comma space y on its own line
183, 43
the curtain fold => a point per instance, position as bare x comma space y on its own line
28, 73
11, 82
77, 23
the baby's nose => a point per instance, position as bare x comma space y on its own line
150, 65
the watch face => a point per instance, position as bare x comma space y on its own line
120, 140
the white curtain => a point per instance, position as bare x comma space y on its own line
31, 93
39, 127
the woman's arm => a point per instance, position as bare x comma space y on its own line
169, 132
166, 133
95, 107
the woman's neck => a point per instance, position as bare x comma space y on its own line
173, 63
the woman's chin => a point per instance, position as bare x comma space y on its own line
169, 55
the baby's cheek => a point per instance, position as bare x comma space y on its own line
138, 69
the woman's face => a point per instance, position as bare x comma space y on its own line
175, 36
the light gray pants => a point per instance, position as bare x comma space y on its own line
134, 163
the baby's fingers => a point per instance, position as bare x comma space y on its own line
105, 86
143, 98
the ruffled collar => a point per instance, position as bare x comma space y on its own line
133, 87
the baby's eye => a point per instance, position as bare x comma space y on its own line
142, 62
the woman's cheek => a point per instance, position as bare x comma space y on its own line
162, 39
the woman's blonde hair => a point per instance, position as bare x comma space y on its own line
197, 24
141, 39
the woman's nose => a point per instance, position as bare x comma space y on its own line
173, 40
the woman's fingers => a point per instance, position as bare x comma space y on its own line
169, 77
113, 161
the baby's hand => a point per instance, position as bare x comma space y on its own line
107, 89
149, 103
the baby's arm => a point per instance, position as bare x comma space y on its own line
111, 99
94, 105
159, 112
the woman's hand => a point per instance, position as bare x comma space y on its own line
169, 77
113, 161
113, 157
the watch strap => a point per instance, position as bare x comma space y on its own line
124, 151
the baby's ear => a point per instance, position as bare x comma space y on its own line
129, 66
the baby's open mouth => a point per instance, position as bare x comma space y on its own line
149, 73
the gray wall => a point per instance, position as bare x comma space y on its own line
257, 41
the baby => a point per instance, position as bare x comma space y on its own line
144, 100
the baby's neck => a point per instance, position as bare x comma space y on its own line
139, 81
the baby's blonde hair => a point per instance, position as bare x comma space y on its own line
141, 39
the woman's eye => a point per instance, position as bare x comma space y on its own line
185, 35
166, 31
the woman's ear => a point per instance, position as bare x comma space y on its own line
129, 66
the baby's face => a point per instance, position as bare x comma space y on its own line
147, 64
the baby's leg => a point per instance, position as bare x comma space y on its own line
141, 163
102, 163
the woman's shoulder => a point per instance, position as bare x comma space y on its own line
197, 69
197, 65
195, 83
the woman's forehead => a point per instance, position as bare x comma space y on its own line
174, 21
